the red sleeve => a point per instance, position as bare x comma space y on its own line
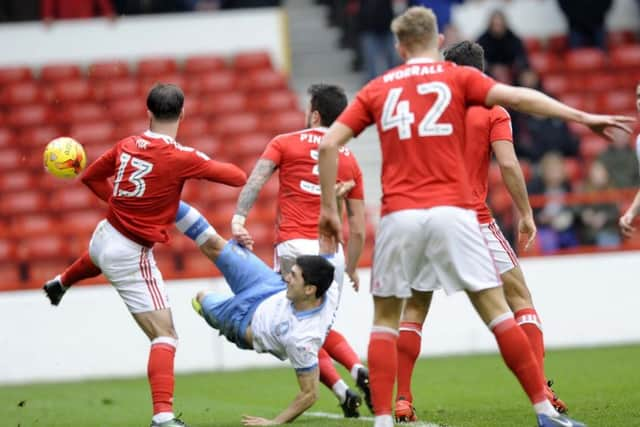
196, 164
105, 7
358, 191
47, 9
274, 151
500, 125
357, 115
97, 174
476, 85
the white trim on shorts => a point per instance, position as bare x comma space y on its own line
501, 251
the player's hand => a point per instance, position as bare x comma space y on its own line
355, 279
605, 125
343, 188
241, 235
527, 231
626, 224
248, 420
329, 230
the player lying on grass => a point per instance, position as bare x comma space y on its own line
626, 221
487, 130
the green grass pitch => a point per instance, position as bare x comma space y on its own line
601, 386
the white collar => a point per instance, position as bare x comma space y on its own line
419, 61
321, 129
156, 135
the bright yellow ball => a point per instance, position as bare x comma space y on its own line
64, 157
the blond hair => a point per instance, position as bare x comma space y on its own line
416, 28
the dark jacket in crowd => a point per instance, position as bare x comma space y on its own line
585, 15
507, 50
375, 16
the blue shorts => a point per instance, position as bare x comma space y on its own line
251, 281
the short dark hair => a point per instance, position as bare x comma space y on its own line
466, 53
328, 100
165, 101
317, 271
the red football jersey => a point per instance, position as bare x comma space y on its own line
419, 110
150, 170
296, 156
483, 127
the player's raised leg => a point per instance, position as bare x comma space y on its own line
82, 268
349, 400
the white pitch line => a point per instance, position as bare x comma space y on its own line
340, 416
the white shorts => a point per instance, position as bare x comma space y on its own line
130, 268
500, 249
286, 252
429, 249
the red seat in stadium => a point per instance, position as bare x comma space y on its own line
193, 106
127, 109
85, 112
532, 44
558, 43
579, 100
10, 159
22, 203
29, 115
245, 61
273, 101
93, 151
166, 261
58, 72
192, 127
219, 194
500, 199
108, 70
100, 132
196, 265
146, 83
601, 82
557, 84
199, 64
34, 225
10, 277
131, 127
220, 81
38, 136
41, 270
626, 56
544, 62
225, 103
584, 59
591, 146
84, 222
18, 180
264, 80
209, 145
616, 101
68, 199
248, 145
21, 93
14, 74
282, 122
7, 138
118, 89
7, 249
152, 67
72, 91
232, 124
617, 38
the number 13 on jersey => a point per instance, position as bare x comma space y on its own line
397, 113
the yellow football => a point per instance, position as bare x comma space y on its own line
64, 157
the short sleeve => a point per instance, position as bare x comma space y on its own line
500, 125
273, 151
303, 354
476, 85
357, 116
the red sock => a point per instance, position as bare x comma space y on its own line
518, 356
339, 349
409, 344
328, 374
530, 323
160, 373
383, 365
82, 268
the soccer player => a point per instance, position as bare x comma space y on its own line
626, 221
150, 170
295, 155
428, 235
486, 130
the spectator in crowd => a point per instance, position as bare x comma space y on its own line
75, 9
19, 10
442, 9
536, 135
600, 220
505, 54
620, 161
586, 22
556, 219
377, 42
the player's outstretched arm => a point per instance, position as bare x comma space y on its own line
532, 101
329, 223
514, 181
626, 220
308, 382
260, 174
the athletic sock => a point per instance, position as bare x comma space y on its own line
409, 345
82, 268
383, 366
383, 421
339, 349
340, 390
160, 374
355, 369
529, 321
518, 356
328, 374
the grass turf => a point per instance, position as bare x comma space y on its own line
600, 385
